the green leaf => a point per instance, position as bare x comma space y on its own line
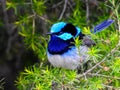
39, 7
116, 66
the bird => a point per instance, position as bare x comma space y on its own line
62, 51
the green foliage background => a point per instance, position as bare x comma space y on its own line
104, 69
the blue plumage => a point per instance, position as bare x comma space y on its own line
57, 27
65, 36
57, 45
102, 25
61, 48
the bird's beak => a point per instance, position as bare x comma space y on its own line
49, 33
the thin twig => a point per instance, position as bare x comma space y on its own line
10, 28
115, 12
101, 75
98, 71
63, 11
87, 11
111, 87
112, 51
56, 5
33, 26
41, 17
33, 22
45, 19
70, 5
5, 18
32, 9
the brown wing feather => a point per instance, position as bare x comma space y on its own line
88, 42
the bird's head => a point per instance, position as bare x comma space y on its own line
64, 31
62, 35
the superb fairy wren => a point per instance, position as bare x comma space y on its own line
62, 52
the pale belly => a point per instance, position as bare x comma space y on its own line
71, 59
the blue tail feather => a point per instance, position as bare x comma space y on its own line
102, 26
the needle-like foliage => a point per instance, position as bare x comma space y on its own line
104, 67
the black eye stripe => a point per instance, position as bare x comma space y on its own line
58, 33
69, 28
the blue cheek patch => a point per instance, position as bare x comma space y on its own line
65, 36
57, 27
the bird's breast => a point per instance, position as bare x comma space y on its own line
71, 59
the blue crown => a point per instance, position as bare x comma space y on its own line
61, 27
57, 27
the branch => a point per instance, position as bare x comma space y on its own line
44, 19
33, 26
87, 11
110, 87
70, 5
10, 28
56, 5
5, 16
112, 51
64, 8
96, 74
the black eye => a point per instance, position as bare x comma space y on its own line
69, 28
60, 32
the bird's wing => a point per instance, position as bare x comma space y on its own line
88, 41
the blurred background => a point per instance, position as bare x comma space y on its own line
24, 18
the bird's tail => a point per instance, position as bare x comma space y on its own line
102, 26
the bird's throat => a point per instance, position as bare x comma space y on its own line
59, 46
